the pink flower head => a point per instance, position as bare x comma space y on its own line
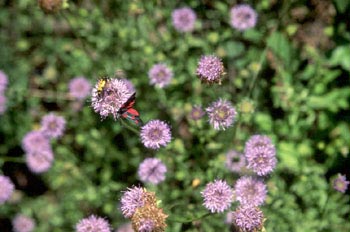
132, 199
3, 82
92, 224
248, 218
155, 134
218, 196
243, 17
235, 161
184, 19
340, 183
210, 69
129, 85
53, 126
109, 96
39, 161
260, 154
79, 87
160, 75
221, 114
6, 188
22, 223
197, 113
152, 170
250, 191
35, 141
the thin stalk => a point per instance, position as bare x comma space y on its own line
12, 159
190, 220
126, 125
255, 77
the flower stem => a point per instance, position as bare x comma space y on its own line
126, 125
255, 77
190, 220
12, 159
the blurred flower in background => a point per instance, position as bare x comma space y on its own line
250, 191
93, 223
184, 19
39, 161
52, 125
152, 170
340, 183
22, 223
6, 188
235, 161
79, 88
221, 114
196, 113
243, 17
160, 75
260, 154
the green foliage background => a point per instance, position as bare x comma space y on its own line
296, 78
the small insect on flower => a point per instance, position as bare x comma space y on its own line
111, 96
130, 113
101, 86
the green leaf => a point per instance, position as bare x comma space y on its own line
280, 45
342, 5
341, 56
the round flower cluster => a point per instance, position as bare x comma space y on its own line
22, 223
243, 17
3, 87
152, 170
109, 96
7, 188
340, 183
93, 223
53, 126
79, 88
160, 75
155, 134
210, 69
248, 218
196, 113
250, 191
218, 196
260, 154
221, 114
36, 144
184, 19
141, 207
235, 161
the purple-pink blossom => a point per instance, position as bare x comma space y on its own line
6, 188
79, 88
108, 96
250, 191
93, 224
248, 218
221, 114
160, 75
132, 199
22, 223
243, 17
39, 161
235, 161
340, 183
35, 141
152, 170
210, 69
184, 19
155, 134
53, 126
218, 196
